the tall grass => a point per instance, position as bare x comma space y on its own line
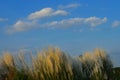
53, 64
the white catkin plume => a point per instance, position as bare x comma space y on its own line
8, 59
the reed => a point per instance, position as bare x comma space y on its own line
54, 64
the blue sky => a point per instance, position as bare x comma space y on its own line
75, 26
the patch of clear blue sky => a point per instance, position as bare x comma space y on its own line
68, 39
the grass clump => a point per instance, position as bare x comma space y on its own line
54, 64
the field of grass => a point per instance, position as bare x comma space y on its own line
54, 64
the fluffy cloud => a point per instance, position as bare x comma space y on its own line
46, 12
90, 21
3, 19
34, 20
95, 21
20, 26
116, 24
75, 5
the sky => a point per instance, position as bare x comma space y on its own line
75, 26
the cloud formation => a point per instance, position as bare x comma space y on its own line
20, 26
34, 20
75, 5
46, 12
116, 24
90, 21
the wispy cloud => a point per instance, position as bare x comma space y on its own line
75, 5
116, 24
3, 19
34, 20
20, 26
30, 21
46, 12
90, 21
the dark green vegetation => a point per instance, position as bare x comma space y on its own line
53, 64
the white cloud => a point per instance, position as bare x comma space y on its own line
3, 19
75, 5
95, 21
20, 26
90, 21
46, 12
116, 24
